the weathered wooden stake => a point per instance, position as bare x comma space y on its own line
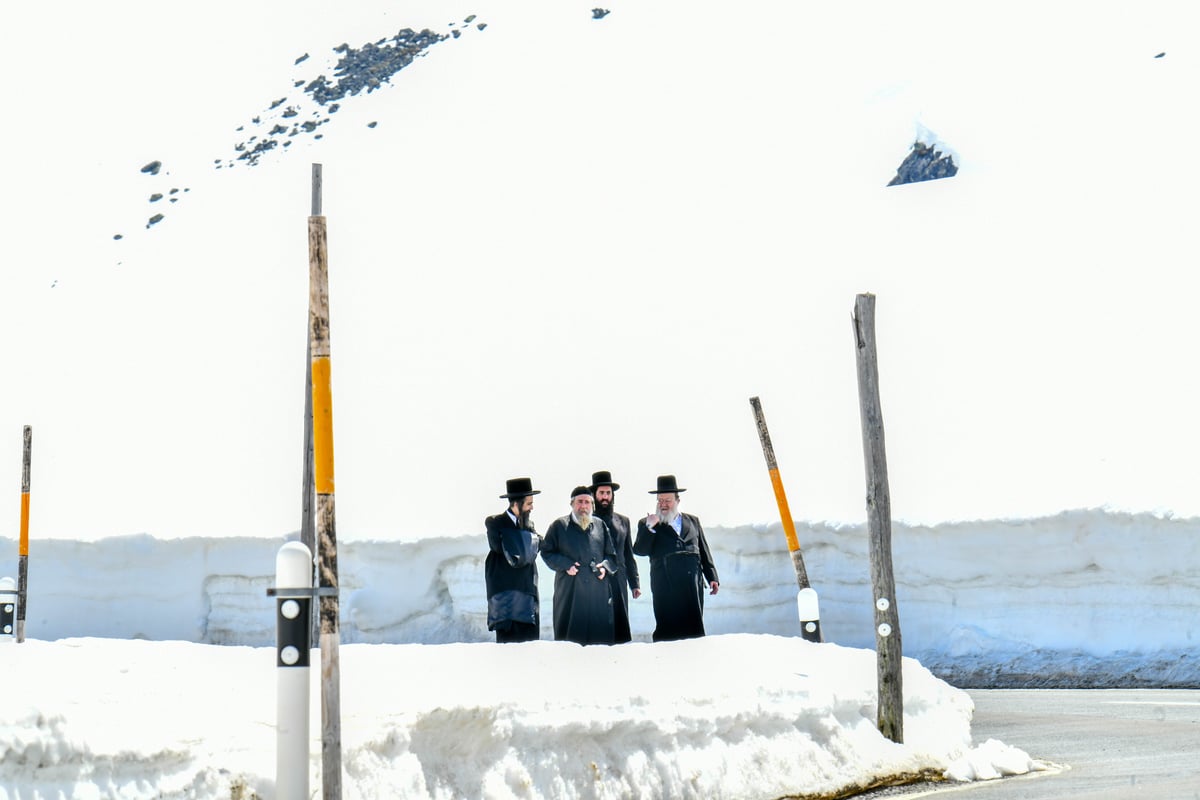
23, 548
785, 514
879, 521
308, 523
308, 536
322, 400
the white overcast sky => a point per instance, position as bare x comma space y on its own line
572, 245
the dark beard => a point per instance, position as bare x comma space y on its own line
604, 509
523, 521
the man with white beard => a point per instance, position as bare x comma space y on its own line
580, 551
605, 489
680, 565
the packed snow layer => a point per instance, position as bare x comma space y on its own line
1084, 598
738, 716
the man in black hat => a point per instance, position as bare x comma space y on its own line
580, 551
510, 570
680, 565
604, 490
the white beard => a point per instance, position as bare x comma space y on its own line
584, 522
668, 517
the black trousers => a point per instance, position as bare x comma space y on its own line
519, 632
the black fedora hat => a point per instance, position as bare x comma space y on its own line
519, 487
666, 484
603, 478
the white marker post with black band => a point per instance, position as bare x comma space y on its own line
809, 608
8, 609
293, 581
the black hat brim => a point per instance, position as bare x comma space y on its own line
519, 495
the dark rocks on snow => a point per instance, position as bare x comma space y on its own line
370, 66
154, 198
358, 70
152, 168
924, 163
157, 218
600, 13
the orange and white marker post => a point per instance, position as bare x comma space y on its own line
23, 551
806, 599
322, 410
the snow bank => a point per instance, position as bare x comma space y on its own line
973, 596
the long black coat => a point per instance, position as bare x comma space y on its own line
681, 566
510, 572
584, 611
627, 578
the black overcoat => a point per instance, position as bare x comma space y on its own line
510, 572
584, 611
681, 566
627, 577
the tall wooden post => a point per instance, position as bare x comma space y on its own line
785, 514
308, 535
322, 400
879, 522
308, 522
23, 542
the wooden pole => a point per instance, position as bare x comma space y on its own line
308, 523
308, 534
888, 649
23, 548
785, 514
322, 400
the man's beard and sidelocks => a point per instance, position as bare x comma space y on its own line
668, 508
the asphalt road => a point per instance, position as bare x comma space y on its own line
1107, 744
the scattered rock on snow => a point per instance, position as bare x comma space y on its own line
926, 162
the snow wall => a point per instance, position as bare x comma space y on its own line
1084, 598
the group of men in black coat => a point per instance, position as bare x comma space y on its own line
591, 551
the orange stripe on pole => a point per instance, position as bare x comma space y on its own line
24, 545
322, 425
789, 527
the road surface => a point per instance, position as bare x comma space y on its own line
1109, 744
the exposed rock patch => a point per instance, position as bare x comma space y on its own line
358, 70
925, 162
